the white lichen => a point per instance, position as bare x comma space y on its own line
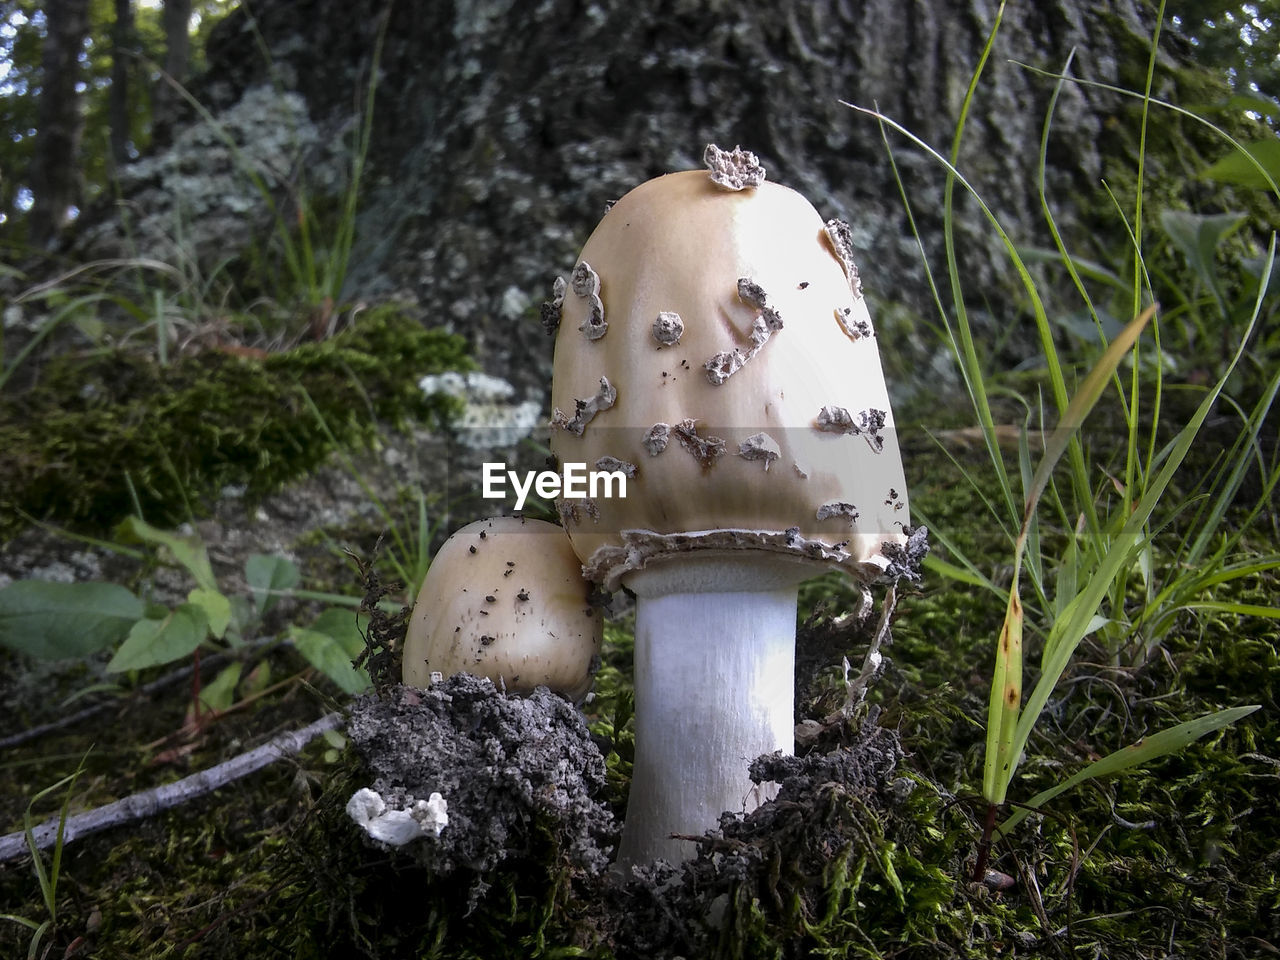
724, 365
867, 424
584, 280
586, 284
488, 419
198, 198
614, 465
553, 309
855, 329
837, 508
706, 450
767, 322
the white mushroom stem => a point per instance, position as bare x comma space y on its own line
714, 671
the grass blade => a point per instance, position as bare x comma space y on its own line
1143, 751
1082, 403
1006, 698
1067, 631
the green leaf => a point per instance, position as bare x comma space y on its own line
187, 550
1091, 269
259, 679
335, 738
344, 627
267, 573
1003, 747
57, 620
243, 614
1080, 613
1082, 403
216, 607
1255, 267
1197, 237
220, 693
153, 642
330, 644
1261, 105
1004, 703
935, 564
1240, 167
29, 924
1143, 751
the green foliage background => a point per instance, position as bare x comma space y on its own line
22, 30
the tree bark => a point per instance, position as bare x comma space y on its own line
122, 48
501, 148
177, 58
494, 156
54, 175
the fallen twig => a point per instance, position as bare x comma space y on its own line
150, 802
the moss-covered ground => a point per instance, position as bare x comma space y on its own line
1181, 858
103, 434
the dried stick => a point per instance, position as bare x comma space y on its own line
150, 802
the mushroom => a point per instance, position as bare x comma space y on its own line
504, 598
713, 545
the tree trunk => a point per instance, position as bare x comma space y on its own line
54, 175
494, 156
177, 57
122, 48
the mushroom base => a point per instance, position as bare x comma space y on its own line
714, 669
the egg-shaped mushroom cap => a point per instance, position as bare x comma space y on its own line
504, 598
734, 373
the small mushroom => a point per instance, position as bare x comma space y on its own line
468, 619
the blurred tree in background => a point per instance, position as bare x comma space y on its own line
1242, 38
83, 88
59, 121
79, 85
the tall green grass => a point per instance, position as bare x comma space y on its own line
47, 875
1118, 571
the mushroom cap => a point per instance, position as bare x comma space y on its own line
504, 598
774, 354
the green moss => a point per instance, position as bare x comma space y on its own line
271, 866
98, 432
